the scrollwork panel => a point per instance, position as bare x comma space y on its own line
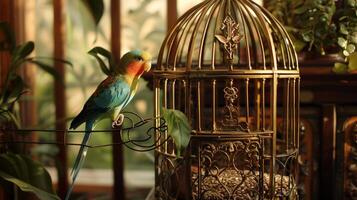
350, 169
227, 169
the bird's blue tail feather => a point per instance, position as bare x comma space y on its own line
78, 120
80, 158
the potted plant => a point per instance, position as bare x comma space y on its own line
346, 20
321, 30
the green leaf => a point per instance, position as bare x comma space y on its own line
14, 119
102, 65
47, 68
15, 89
103, 52
300, 10
353, 37
307, 36
342, 42
352, 62
351, 48
343, 29
339, 68
107, 54
28, 175
352, 3
4, 118
178, 128
96, 8
54, 60
346, 53
298, 44
23, 51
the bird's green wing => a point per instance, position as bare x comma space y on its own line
111, 93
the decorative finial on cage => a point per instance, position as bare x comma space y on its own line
230, 38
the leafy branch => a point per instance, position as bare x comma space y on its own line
27, 174
14, 86
97, 53
20, 170
178, 128
321, 27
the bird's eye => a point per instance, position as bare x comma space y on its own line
139, 58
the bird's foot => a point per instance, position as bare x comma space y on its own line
118, 122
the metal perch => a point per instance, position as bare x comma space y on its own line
130, 122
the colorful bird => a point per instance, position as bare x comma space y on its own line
110, 97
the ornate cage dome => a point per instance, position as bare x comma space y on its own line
231, 67
215, 33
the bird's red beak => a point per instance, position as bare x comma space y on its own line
147, 59
147, 66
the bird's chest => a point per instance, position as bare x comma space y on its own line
122, 93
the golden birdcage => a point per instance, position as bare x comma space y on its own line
231, 67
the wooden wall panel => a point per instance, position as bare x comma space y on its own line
5, 15
328, 142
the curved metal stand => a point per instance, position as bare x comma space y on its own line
130, 123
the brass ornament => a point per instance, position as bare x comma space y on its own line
231, 109
230, 38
